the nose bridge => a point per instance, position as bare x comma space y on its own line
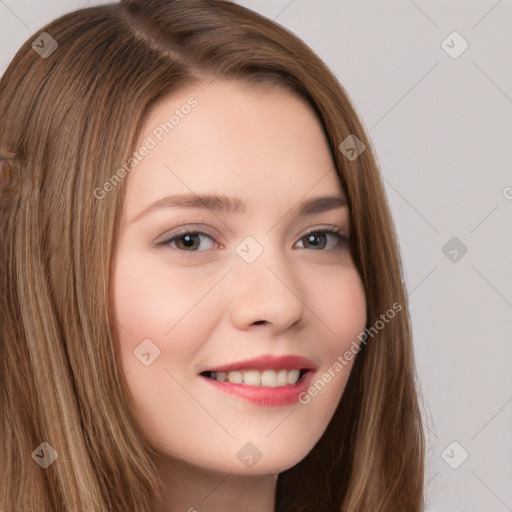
265, 287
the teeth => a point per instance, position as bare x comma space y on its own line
235, 377
269, 378
293, 376
282, 377
251, 377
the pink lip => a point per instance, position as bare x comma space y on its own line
269, 362
267, 396
278, 396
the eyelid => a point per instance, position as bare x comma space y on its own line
182, 230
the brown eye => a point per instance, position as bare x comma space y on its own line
186, 240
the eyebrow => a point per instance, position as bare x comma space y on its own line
234, 205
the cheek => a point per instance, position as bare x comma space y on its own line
342, 316
343, 311
145, 308
159, 336
145, 295
142, 296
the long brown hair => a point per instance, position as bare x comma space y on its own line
69, 119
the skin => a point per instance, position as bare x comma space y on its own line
204, 306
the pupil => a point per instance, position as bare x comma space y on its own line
189, 242
311, 238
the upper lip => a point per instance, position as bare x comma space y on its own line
269, 362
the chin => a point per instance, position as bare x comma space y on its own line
274, 462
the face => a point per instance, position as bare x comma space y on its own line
260, 295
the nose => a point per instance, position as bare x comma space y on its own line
267, 292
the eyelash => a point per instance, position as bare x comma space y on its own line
336, 232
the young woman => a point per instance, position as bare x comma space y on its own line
202, 297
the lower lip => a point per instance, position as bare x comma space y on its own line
279, 396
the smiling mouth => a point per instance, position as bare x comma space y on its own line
264, 378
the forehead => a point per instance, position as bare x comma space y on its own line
256, 142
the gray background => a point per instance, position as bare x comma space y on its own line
441, 128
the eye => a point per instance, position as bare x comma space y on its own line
188, 239
320, 234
